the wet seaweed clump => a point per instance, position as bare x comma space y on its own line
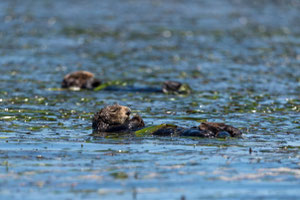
80, 80
116, 118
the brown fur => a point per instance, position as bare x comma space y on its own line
171, 86
136, 122
215, 128
80, 79
115, 118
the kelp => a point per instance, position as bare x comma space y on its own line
110, 83
149, 130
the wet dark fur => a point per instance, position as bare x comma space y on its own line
215, 128
171, 86
87, 80
205, 129
80, 79
115, 118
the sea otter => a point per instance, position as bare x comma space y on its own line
205, 129
116, 118
87, 80
80, 79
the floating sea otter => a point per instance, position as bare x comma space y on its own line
80, 79
116, 118
87, 80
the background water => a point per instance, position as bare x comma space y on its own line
242, 58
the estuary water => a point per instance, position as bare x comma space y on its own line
240, 57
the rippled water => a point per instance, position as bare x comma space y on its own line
242, 59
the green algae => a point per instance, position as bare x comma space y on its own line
5, 163
149, 130
119, 175
110, 83
75, 31
37, 128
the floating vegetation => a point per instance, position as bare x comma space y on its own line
110, 83
184, 89
119, 175
149, 130
37, 128
241, 64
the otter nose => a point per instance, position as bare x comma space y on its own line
128, 112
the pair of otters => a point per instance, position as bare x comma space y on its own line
87, 80
116, 118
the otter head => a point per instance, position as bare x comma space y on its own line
115, 114
80, 79
174, 87
219, 129
136, 122
115, 118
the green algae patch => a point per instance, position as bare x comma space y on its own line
290, 147
119, 175
75, 31
185, 89
110, 83
37, 128
56, 89
5, 163
149, 130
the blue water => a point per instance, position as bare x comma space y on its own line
241, 58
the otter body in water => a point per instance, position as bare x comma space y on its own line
87, 80
205, 129
81, 80
116, 118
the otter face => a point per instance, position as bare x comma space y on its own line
174, 87
171, 86
220, 129
115, 118
115, 114
80, 79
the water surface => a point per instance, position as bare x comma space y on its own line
242, 59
